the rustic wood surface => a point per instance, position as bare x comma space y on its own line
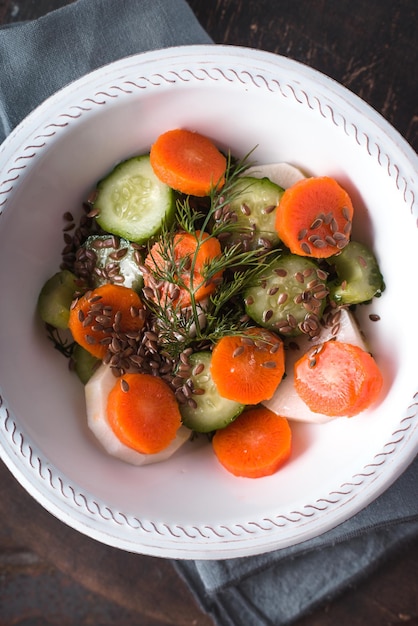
52, 575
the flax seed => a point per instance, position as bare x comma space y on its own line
284, 327
93, 213
124, 385
291, 320
266, 243
330, 240
322, 275
336, 329
269, 364
345, 212
317, 223
269, 209
333, 225
347, 228
181, 398
313, 238
319, 243
342, 243
280, 272
267, 315
312, 283
198, 369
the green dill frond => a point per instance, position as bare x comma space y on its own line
188, 218
233, 271
64, 344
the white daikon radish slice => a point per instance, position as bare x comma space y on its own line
96, 392
282, 174
286, 401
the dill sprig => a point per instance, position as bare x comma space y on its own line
189, 219
64, 344
223, 313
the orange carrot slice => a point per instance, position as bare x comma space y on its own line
256, 444
314, 217
188, 162
93, 315
191, 255
338, 379
248, 368
143, 412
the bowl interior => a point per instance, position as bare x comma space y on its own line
188, 506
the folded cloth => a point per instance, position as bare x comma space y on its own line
39, 57
282, 586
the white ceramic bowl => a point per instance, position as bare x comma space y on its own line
189, 507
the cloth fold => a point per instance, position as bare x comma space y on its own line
39, 57
282, 586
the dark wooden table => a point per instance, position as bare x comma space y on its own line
52, 575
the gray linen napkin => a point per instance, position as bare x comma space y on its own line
38, 58
281, 586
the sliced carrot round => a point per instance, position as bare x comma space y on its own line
186, 261
248, 368
93, 315
338, 379
143, 412
256, 444
314, 217
188, 162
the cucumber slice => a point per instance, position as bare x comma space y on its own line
211, 411
55, 298
358, 275
132, 202
85, 364
290, 297
109, 259
253, 210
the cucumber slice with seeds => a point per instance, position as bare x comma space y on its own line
55, 298
84, 363
252, 210
210, 411
132, 202
358, 275
290, 297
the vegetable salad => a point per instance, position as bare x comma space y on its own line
190, 280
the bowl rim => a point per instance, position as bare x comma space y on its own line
21, 455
